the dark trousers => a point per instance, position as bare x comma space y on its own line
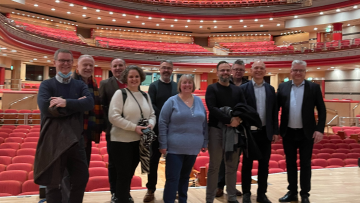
111, 167
178, 168
293, 140
125, 156
154, 163
74, 161
264, 145
221, 183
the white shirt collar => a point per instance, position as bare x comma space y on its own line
303, 82
254, 83
62, 80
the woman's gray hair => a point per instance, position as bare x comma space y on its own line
298, 62
85, 56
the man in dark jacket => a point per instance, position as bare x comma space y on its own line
62, 101
108, 88
261, 96
298, 99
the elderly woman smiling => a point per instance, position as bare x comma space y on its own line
182, 133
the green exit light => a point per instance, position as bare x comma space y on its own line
12, 67
328, 30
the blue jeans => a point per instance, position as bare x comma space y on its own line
177, 170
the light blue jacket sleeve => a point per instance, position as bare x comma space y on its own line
164, 121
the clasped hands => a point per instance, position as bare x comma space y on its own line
60, 102
235, 122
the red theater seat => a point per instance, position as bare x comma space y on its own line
349, 141
5, 160
17, 134
29, 145
14, 175
20, 166
353, 155
351, 162
238, 177
342, 146
94, 164
97, 182
14, 140
2, 167
10, 146
319, 162
136, 182
339, 156
21, 130
276, 157
12, 127
31, 139
95, 150
204, 153
106, 158
327, 150
98, 172
96, 157
8, 152
201, 161
336, 141
31, 175
343, 151
6, 130
24, 126
277, 146
103, 151
29, 188
282, 164
23, 159
10, 187
329, 145
273, 164
276, 170
33, 134
323, 156
335, 163
22, 152
354, 146
4, 135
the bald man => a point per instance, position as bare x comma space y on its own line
261, 96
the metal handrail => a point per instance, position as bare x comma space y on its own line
353, 109
82, 38
336, 116
26, 120
20, 100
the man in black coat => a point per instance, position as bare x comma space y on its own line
298, 99
261, 96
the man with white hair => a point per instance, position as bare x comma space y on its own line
261, 96
299, 129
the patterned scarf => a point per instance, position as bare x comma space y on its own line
93, 120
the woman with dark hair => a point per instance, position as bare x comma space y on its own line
126, 132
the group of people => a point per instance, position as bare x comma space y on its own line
170, 120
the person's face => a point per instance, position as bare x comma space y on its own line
237, 71
186, 86
86, 67
117, 67
224, 72
298, 72
166, 70
133, 79
63, 63
258, 71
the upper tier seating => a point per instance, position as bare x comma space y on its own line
58, 34
215, 3
261, 47
152, 47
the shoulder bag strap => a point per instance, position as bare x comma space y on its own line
142, 116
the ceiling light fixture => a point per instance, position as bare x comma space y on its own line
157, 24
143, 23
99, 18
150, 18
162, 19
84, 15
215, 26
97, 10
271, 19
186, 26
36, 5
245, 25
230, 26
53, 9
321, 13
71, 4
68, 12
128, 21
57, 1
84, 8
315, 28
355, 7
171, 25
201, 21
338, 10
136, 16
175, 20
200, 27
256, 20
214, 21
188, 21
278, 24
296, 16
261, 25
124, 14
241, 21
111, 13
113, 20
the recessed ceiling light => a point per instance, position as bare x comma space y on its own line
143, 23
175, 20
271, 19
42, 18
36, 5
57, 1
186, 26
215, 26
68, 12
296, 16
150, 18
84, 15
214, 21
348, 24
35, 59
332, 67
4, 54
321, 13
256, 20
128, 21
45, 57
245, 25
315, 28
13, 50
162, 19
188, 21
71, 4
338, 10
241, 21
157, 24
355, 7
318, 68
278, 24
113, 20
30, 60
124, 14
200, 27
279, 69
48, 61
99, 18
51, 20
230, 26
261, 25
201, 21
53, 9
97, 10
136, 16
84, 8
111, 13
171, 25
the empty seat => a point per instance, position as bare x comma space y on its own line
14, 175
31, 175
335, 163
21, 152
29, 188
319, 162
20, 166
17, 134
318, 146
23, 159
11, 187
6, 160
282, 164
103, 151
339, 156
24, 126
273, 164
96, 157
33, 134
21, 130
323, 156
10, 146
201, 153
95, 150
348, 141
201, 161
106, 158
353, 155
342, 146
12, 127
6, 130
356, 150
277, 146
276, 170
136, 182
354, 146
351, 162
97, 164
330, 146
2, 167
336, 141
14, 140
8, 152
97, 182
34, 130
31, 139
343, 151
280, 151
4, 135
99, 171
276, 157
31, 145
326, 150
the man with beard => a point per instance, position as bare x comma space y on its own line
108, 88
237, 71
159, 91
219, 95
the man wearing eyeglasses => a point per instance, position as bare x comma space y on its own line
299, 129
62, 102
159, 91
237, 71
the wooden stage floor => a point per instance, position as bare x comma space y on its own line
340, 185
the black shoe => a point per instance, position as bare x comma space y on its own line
113, 198
290, 196
262, 199
131, 200
233, 201
305, 199
247, 198
238, 193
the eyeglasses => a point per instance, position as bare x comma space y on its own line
238, 70
298, 70
65, 61
166, 68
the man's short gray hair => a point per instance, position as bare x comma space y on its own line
118, 59
298, 62
167, 61
85, 56
62, 51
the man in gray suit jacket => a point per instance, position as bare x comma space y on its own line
107, 89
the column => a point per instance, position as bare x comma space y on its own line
2, 76
23, 72
318, 37
337, 31
15, 75
175, 77
105, 74
98, 75
46, 73
203, 81
197, 81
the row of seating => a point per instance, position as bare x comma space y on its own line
12, 116
213, 3
152, 47
5, 134
247, 44
57, 34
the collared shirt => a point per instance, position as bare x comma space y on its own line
164, 81
62, 80
260, 96
296, 101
